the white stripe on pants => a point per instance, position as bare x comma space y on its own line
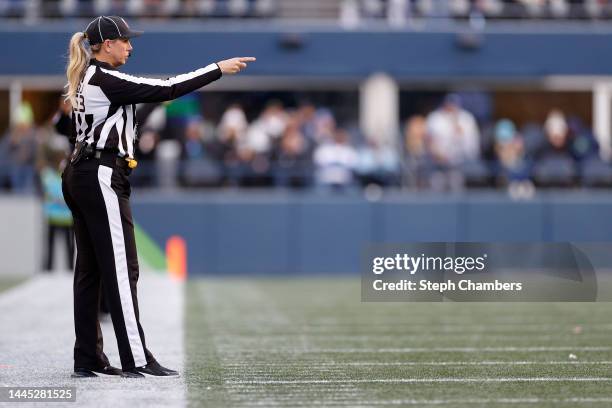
123, 280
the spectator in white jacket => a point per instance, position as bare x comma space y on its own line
454, 141
335, 161
454, 133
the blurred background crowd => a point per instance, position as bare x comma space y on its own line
454, 141
303, 145
349, 11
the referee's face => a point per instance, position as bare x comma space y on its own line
119, 51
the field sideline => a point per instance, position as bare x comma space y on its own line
37, 337
312, 342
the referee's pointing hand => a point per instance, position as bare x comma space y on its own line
234, 65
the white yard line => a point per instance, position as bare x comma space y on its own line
452, 402
491, 401
37, 338
421, 380
503, 401
444, 349
471, 363
461, 327
424, 363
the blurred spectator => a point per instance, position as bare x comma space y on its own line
255, 149
231, 129
178, 113
584, 144
264, 132
398, 12
546, 8
372, 8
513, 167
418, 162
147, 142
597, 8
151, 119
377, 163
349, 14
335, 161
555, 166
18, 149
112, 7
534, 138
489, 8
62, 119
146, 149
306, 117
192, 8
152, 116
193, 143
557, 135
152, 8
52, 154
265, 8
434, 8
294, 159
237, 8
13, 8
198, 166
455, 141
78, 8
325, 125
454, 133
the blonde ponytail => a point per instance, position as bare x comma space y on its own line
77, 64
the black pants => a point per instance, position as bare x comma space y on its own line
98, 196
52, 231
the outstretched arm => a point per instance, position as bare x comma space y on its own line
124, 89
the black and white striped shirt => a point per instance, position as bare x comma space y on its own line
105, 116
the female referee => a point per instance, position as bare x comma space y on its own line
97, 188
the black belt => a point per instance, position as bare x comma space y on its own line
110, 159
83, 151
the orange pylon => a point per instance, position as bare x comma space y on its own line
176, 254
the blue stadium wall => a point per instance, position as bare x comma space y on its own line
172, 48
275, 233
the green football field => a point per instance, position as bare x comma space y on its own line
312, 342
8, 282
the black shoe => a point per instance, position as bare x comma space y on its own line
131, 374
157, 370
108, 370
83, 373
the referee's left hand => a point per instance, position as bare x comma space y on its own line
234, 65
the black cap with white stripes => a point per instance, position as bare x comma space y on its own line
108, 28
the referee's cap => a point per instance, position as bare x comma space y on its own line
108, 28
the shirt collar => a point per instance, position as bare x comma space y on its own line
101, 64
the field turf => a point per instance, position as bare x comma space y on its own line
7, 282
312, 342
